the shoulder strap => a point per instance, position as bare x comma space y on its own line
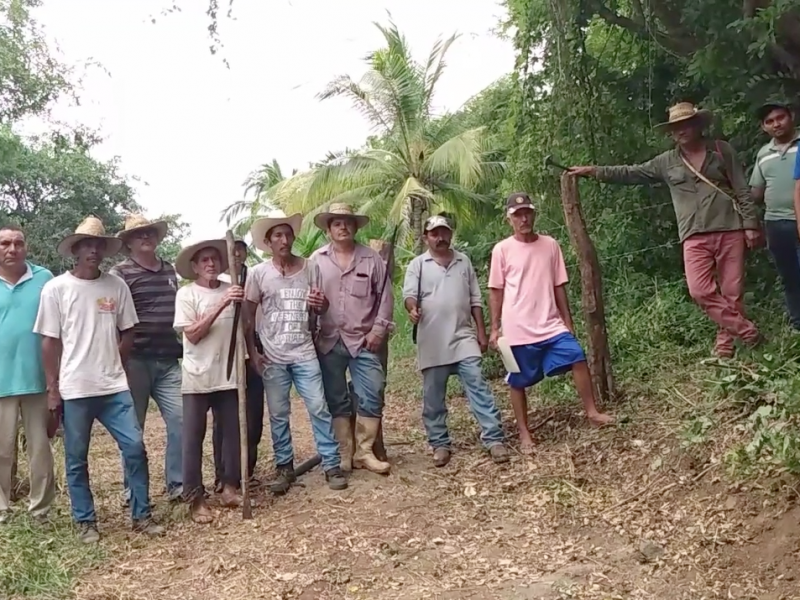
712, 184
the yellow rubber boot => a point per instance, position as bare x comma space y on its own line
344, 435
366, 433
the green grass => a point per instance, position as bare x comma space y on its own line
42, 561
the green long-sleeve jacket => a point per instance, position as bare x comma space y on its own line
699, 208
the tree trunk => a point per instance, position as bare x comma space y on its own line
415, 224
599, 355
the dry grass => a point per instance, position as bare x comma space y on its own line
596, 514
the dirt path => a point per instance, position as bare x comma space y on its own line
616, 513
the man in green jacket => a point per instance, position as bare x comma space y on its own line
717, 218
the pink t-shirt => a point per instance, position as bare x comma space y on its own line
528, 275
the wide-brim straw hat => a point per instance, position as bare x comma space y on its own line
183, 264
260, 228
685, 111
137, 222
90, 228
338, 210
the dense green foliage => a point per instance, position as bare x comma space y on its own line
50, 184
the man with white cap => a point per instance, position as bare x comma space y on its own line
287, 292
355, 282
153, 368
86, 318
443, 298
204, 315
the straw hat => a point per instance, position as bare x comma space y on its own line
684, 111
90, 228
183, 264
137, 222
336, 210
261, 227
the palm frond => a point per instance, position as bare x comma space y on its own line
460, 157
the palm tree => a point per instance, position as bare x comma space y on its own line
415, 163
239, 215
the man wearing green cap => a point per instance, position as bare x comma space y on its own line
772, 182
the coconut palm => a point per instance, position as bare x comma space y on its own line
239, 215
414, 164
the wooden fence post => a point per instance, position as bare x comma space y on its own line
599, 355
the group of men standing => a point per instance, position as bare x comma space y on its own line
88, 346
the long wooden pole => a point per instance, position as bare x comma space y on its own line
599, 358
233, 271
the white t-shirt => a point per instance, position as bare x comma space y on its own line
87, 315
205, 364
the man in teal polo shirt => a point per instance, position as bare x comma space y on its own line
22, 383
773, 183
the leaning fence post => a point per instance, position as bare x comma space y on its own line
599, 355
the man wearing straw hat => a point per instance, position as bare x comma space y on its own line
153, 368
204, 315
352, 331
254, 393
87, 321
286, 291
717, 219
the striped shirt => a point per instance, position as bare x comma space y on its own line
154, 298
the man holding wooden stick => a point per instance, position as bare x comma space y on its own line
204, 315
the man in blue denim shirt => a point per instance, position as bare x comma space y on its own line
773, 183
443, 298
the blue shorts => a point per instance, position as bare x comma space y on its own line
548, 358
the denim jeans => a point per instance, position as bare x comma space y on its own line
479, 395
784, 246
307, 379
367, 377
115, 412
161, 380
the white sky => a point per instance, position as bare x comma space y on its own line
192, 130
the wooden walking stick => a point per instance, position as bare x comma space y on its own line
238, 333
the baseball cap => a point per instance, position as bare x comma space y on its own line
518, 200
767, 107
437, 221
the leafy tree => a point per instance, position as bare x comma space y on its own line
416, 162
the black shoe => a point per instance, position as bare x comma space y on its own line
283, 480
336, 479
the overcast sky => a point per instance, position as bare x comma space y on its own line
192, 130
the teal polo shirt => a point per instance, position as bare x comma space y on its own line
774, 171
21, 369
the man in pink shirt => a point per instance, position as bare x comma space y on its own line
528, 303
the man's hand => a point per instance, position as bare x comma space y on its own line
373, 342
483, 341
588, 171
414, 315
258, 362
317, 300
493, 337
235, 293
53, 398
754, 238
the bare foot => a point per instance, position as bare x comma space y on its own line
600, 419
526, 445
200, 512
230, 497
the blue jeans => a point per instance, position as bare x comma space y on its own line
367, 377
307, 379
161, 380
115, 412
479, 395
784, 246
